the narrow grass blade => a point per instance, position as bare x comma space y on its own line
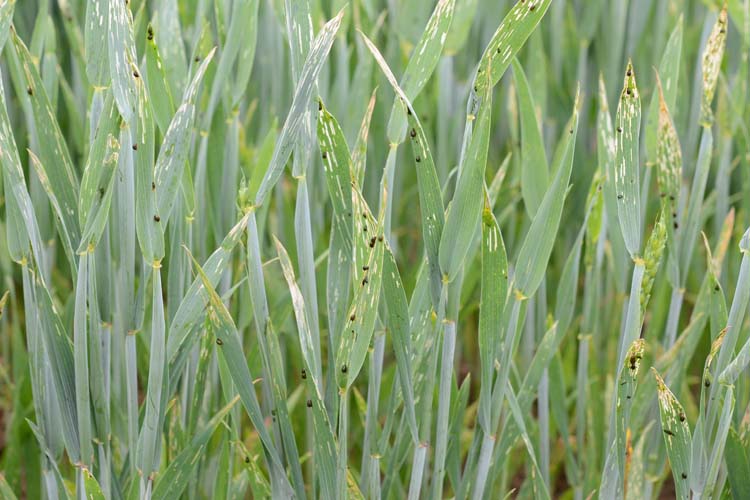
397, 321
123, 64
173, 481
738, 464
677, 436
338, 169
464, 212
310, 71
58, 346
534, 169
539, 489
81, 355
627, 163
96, 38
6, 17
494, 289
149, 441
669, 68
195, 299
22, 227
430, 196
507, 40
537, 245
444, 402
98, 212
173, 153
368, 276
231, 349
309, 353
149, 230
422, 63
53, 150
162, 101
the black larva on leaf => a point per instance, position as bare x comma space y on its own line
157, 218
344, 369
413, 133
304, 374
219, 341
309, 403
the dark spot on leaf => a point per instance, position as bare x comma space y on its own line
413, 133
352, 317
157, 218
304, 374
309, 403
135, 147
344, 369
219, 342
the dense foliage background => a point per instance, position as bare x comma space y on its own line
403, 248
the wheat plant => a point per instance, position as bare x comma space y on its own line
388, 249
